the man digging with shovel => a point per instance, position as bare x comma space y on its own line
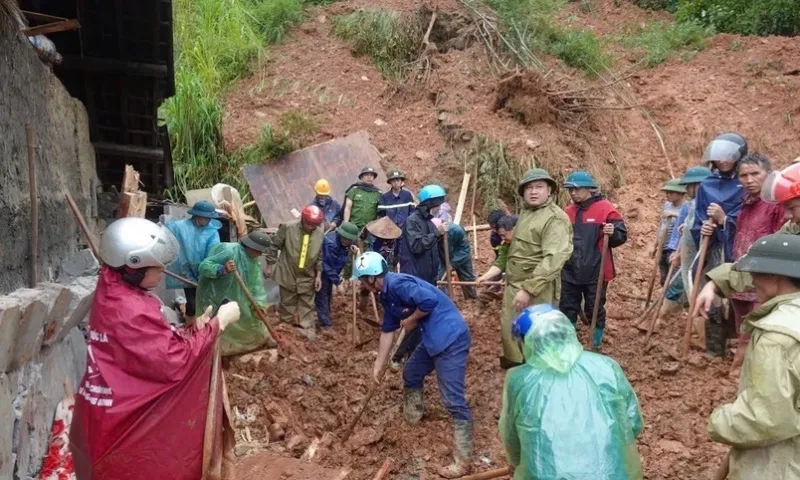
409, 302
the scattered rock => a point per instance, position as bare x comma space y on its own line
422, 155
254, 358
633, 213
242, 450
364, 78
273, 355
322, 19
364, 437
670, 368
260, 387
697, 360
308, 380
297, 443
276, 415
532, 144
276, 433
379, 122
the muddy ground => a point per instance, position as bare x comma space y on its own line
745, 84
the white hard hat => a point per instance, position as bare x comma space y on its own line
137, 243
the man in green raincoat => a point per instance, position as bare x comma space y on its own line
762, 425
542, 244
298, 271
460, 258
567, 413
218, 283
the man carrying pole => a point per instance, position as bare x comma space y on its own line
218, 283
593, 218
542, 244
408, 303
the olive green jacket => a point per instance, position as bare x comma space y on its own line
542, 244
292, 270
730, 281
763, 422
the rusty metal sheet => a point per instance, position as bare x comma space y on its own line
288, 182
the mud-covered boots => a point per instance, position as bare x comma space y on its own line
412, 406
716, 338
462, 451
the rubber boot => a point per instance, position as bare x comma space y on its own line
462, 451
412, 406
598, 337
716, 340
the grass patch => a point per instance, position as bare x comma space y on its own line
215, 41
531, 24
746, 17
658, 41
393, 41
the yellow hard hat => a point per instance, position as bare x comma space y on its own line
322, 187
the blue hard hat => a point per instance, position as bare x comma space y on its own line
526, 318
369, 264
431, 191
204, 209
695, 175
580, 179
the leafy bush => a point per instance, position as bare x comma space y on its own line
577, 48
393, 41
669, 5
659, 41
747, 17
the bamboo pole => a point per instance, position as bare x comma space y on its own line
600, 287
478, 228
701, 262
34, 194
256, 309
488, 475
658, 304
211, 413
383, 472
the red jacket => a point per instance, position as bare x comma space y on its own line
140, 409
587, 219
757, 218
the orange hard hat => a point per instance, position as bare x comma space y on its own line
322, 187
312, 215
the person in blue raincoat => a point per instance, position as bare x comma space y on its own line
330, 207
409, 302
196, 235
336, 248
567, 413
719, 198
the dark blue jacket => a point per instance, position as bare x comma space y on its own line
334, 257
403, 294
329, 207
396, 207
418, 247
728, 193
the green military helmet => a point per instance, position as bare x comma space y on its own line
367, 170
394, 175
536, 174
776, 254
673, 185
695, 175
348, 230
580, 179
256, 240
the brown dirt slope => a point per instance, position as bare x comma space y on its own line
742, 84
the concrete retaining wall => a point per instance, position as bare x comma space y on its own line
42, 350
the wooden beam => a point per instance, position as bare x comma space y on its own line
109, 65
52, 28
42, 17
462, 197
132, 202
131, 151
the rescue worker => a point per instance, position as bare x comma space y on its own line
567, 413
330, 207
336, 249
505, 230
386, 233
592, 217
361, 200
141, 373
719, 197
398, 202
196, 235
541, 245
495, 241
757, 218
419, 247
762, 425
298, 271
675, 198
460, 258
409, 302
217, 283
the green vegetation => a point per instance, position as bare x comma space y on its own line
669, 5
498, 172
747, 17
215, 40
658, 41
392, 40
530, 25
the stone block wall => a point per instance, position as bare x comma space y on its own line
42, 354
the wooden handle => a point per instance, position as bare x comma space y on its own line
701, 262
256, 309
447, 269
472, 284
599, 290
82, 224
498, 472
383, 472
657, 305
659, 249
211, 413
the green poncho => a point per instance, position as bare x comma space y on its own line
568, 413
215, 286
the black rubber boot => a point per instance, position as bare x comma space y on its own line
716, 340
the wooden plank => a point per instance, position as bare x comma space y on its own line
133, 151
132, 202
462, 197
287, 183
52, 28
109, 65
